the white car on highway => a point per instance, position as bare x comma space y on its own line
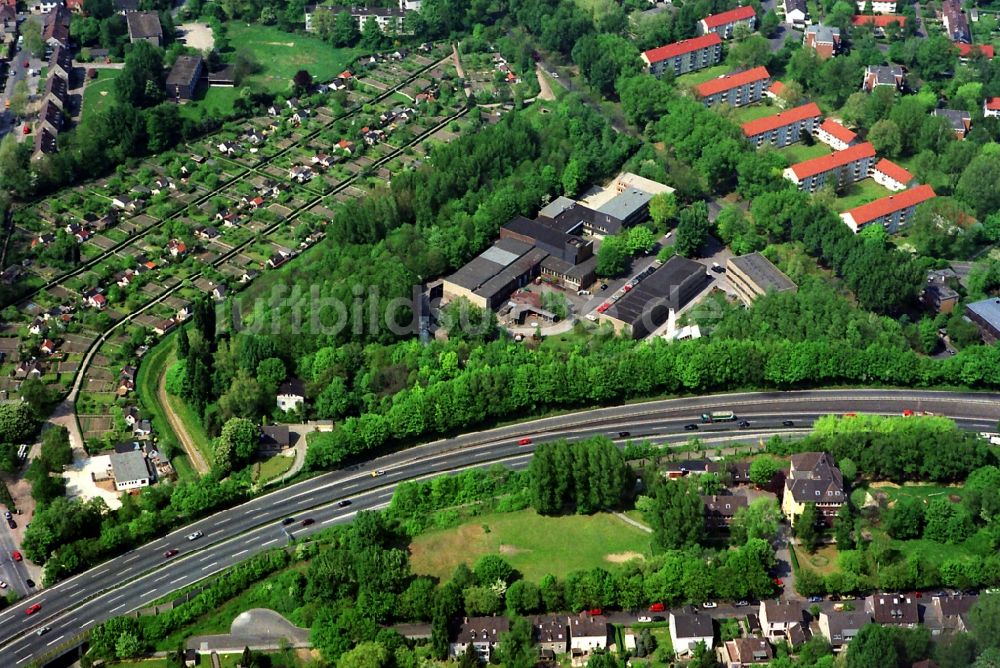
195, 535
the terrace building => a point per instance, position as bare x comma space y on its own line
741, 652
841, 168
891, 175
481, 633
892, 212
779, 618
893, 610
754, 276
55, 29
783, 128
685, 56
737, 89
725, 23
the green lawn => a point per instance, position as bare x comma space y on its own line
800, 152
272, 468
860, 193
533, 544
282, 54
100, 92
701, 76
217, 103
753, 112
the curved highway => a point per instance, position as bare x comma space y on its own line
144, 575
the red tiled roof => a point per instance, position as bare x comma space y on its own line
777, 88
738, 14
838, 131
993, 104
965, 50
893, 171
882, 207
680, 48
878, 20
774, 121
825, 163
731, 81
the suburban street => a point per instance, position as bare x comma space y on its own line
143, 575
20, 73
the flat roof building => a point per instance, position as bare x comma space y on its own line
648, 304
753, 276
489, 279
985, 314
184, 76
129, 470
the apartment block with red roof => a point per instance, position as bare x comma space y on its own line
891, 175
836, 135
840, 168
878, 21
737, 89
725, 23
685, 56
785, 128
991, 107
891, 212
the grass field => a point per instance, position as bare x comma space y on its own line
860, 193
217, 103
534, 545
282, 54
753, 112
701, 76
823, 561
100, 92
799, 152
273, 467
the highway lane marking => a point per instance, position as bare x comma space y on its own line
183, 577
241, 552
211, 565
128, 561
53, 642
117, 598
22, 660
206, 558
273, 540
151, 591
118, 608
222, 521
127, 570
87, 623
350, 486
340, 517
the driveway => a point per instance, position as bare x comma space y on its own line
258, 629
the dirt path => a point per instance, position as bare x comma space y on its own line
543, 84
190, 447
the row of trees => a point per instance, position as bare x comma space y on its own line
587, 476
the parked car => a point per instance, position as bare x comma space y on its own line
12, 524
657, 607
644, 619
33, 608
3, 585
16, 556
594, 611
815, 599
7, 514
741, 604
524, 441
172, 552
708, 605
778, 582
195, 535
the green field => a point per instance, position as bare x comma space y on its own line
799, 152
860, 193
217, 103
282, 54
701, 76
100, 92
534, 545
753, 112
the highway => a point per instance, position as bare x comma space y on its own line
144, 575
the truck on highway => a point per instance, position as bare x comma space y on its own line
718, 416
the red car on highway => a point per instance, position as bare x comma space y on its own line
524, 441
33, 608
171, 553
15, 555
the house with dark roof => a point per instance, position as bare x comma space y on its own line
841, 168
144, 26
813, 479
893, 609
725, 23
742, 652
754, 276
877, 6
55, 29
778, 618
55, 89
949, 614
883, 75
126, 6
959, 119
784, 128
956, 25
482, 634
840, 627
737, 89
274, 438
721, 509
550, 633
61, 61
184, 77
688, 55
892, 212
291, 395
45, 144
939, 293
985, 314
688, 627
488, 279
796, 12
824, 40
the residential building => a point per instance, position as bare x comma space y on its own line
985, 314
389, 19
273, 438
841, 168
753, 276
835, 135
56, 88
55, 28
840, 627
61, 62
778, 618
776, 92
967, 52
648, 305
891, 175
720, 510
878, 6
949, 614
892, 212
45, 143
144, 26
488, 279
783, 128
959, 120
725, 23
588, 633
735, 89
991, 106
741, 652
813, 479
291, 395
480, 633
956, 25
184, 77
879, 22
130, 470
674, 470
939, 293
796, 12
883, 75
125, 6
685, 56
550, 633
893, 609
690, 627
824, 40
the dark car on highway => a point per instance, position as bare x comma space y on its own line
744, 424
624, 434
308, 521
344, 503
288, 520
690, 427
170, 553
787, 423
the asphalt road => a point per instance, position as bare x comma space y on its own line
144, 575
